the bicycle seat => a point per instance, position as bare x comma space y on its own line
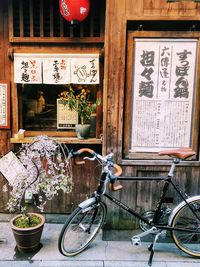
181, 153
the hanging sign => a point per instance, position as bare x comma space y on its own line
85, 69
27, 69
56, 70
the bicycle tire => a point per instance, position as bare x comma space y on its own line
78, 231
188, 242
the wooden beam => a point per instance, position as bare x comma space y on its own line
41, 18
31, 18
21, 18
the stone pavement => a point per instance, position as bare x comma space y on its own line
99, 254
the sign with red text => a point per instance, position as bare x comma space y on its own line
27, 68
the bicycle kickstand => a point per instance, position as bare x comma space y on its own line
152, 247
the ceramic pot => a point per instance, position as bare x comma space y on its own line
82, 130
28, 239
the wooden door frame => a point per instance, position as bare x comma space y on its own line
128, 90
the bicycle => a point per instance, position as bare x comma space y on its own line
85, 222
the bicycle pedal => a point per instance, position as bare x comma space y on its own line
136, 241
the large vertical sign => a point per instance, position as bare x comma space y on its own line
163, 90
4, 106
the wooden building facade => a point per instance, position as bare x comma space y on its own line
112, 30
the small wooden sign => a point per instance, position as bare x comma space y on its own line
4, 105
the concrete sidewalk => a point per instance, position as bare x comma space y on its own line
99, 254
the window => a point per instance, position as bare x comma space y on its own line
41, 20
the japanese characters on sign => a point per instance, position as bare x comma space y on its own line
85, 70
4, 109
56, 68
66, 118
27, 69
163, 90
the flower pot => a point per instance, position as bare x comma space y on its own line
28, 239
82, 130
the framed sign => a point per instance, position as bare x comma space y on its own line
162, 90
4, 105
66, 118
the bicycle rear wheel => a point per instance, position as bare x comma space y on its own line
189, 242
81, 228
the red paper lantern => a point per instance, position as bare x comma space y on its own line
74, 11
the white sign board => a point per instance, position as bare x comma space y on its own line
3, 105
85, 70
27, 68
66, 118
56, 70
12, 169
164, 74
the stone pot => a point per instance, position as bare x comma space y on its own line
28, 239
82, 130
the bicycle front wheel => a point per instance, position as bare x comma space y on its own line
81, 228
189, 242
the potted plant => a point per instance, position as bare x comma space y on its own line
79, 100
48, 172
27, 230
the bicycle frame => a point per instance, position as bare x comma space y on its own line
158, 213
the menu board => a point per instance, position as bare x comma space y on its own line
4, 106
66, 118
164, 75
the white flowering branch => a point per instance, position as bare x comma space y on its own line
49, 171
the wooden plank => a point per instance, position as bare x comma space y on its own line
51, 13
71, 39
196, 116
92, 23
21, 18
102, 21
64, 140
41, 19
10, 21
31, 18
61, 27
128, 97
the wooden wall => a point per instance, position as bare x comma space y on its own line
137, 195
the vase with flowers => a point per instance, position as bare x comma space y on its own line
79, 101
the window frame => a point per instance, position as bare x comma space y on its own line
132, 35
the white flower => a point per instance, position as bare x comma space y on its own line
49, 171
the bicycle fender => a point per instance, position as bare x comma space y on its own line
177, 208
87, 202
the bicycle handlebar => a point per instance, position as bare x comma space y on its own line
92, 152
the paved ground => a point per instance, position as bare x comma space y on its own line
99, 254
